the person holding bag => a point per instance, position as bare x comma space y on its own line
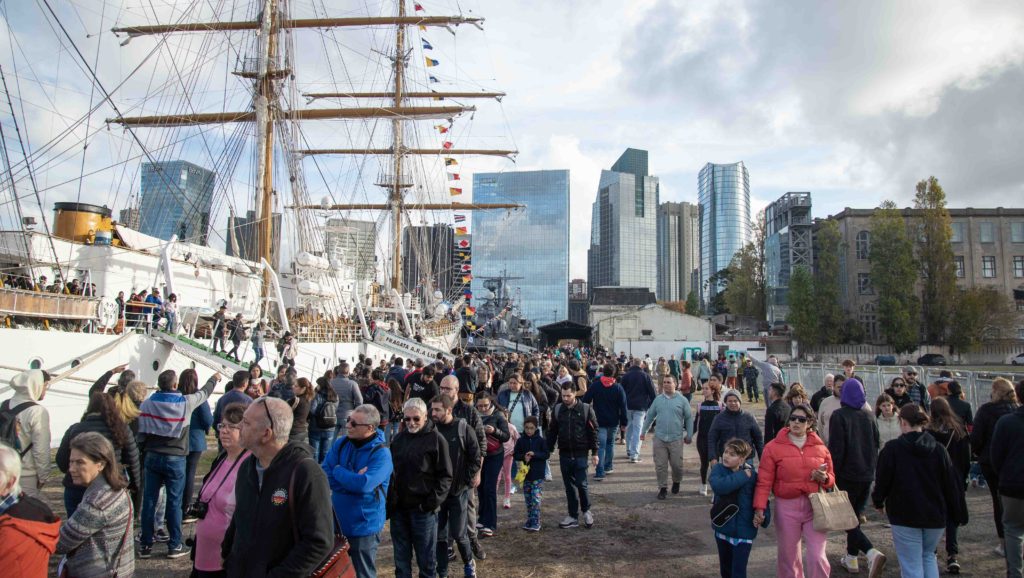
916, 489
795, 465
216, 502
732, 515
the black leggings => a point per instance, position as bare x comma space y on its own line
992, 479
702, 450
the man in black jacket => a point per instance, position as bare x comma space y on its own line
450, 387
464, 451
283, 523
777, 414
573, 430
640, 395
853, 441
1007, 454
824, 393
419, 485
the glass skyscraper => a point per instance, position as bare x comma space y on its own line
678, 249
531, 243
724, 197
176, 199
624, 226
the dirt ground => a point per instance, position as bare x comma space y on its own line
636, 534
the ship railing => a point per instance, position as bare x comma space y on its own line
437, 328
326, 331
25, 303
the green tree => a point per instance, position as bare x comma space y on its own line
803, 311
980, 314
693, 303
893, 273
827, 277
717, 285
745, 294
935, 257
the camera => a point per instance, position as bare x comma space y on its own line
198, 509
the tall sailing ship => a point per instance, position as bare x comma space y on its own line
259, 141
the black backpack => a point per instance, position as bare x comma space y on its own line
9, 425
326, 414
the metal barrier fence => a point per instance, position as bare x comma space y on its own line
976, 384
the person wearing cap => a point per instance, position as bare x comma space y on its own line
33, 428
733, 423
918, 393
219, 324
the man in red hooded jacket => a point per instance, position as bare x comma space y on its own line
28, 528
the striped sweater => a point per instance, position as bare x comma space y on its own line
90, 539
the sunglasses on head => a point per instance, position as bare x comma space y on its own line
798, 418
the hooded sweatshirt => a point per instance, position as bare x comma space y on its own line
29, 532
830, 406
608, 399
915, 483
33, 425
853, 437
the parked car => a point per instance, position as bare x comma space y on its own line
885, 360
932, 359
1019, 360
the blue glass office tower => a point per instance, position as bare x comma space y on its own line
623, 239
176, 199
532, 243
724, 197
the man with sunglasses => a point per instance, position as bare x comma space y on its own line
918, 392
420, 483
281, 525
359, 469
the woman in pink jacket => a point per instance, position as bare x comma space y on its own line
794, 465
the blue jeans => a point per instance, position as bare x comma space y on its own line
574, 476
363, 552
320, 440
414, 531
167, 471
633, 443
915, 549
488, 491
605, 450
732, 560
259, 354
72, 498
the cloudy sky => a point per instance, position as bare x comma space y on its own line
853, 101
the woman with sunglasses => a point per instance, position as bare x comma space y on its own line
794, 465
217, 495
898, 392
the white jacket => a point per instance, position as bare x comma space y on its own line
33, 424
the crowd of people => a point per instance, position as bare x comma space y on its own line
435, 448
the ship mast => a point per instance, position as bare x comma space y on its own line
265, 130
395, 198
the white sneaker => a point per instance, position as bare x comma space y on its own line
569, 522
999, 550
876, 562
703, 490
507, 505
588, 519
850, 564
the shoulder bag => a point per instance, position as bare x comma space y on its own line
337, 564
832, 511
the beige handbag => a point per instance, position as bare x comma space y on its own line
832, 511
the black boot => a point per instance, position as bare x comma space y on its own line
675, 487
662, 493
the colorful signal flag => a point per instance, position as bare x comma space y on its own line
431, 62
455, 190
454, 177
448, 162
447, 145
426, 45
461, 230
460, 218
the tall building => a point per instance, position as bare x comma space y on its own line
243, 236
353, 244
531, 243
724, 197
176, 199
988, 251
579, 304
427, 258
624, 226
788, 244
678, 249
129, 217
